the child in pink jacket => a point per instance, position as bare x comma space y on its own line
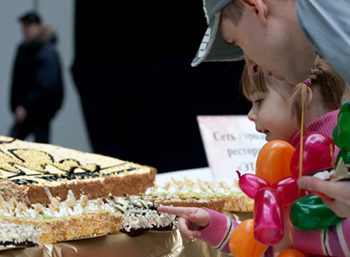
276, 112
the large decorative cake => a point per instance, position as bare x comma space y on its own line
34, 166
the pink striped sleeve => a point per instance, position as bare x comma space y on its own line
308, 241
334, 241
219, 230
337, 239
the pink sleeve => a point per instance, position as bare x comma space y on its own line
219, 230
334, 241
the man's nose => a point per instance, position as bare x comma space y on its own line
253, 68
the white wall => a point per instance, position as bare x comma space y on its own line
68, 128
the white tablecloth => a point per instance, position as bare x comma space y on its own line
204, 174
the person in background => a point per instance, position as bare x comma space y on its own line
37, 86
276, 112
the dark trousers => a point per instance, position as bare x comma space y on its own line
40, 130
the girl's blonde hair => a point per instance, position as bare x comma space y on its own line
332, 87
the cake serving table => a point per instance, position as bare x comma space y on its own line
166, 244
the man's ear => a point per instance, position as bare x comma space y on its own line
260, 8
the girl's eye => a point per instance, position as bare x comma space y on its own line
258, 102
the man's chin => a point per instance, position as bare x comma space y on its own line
278, 78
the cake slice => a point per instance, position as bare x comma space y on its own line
216, 204
221, 198
140, 216
60, 221
34, 166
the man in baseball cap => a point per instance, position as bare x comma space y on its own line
279, 38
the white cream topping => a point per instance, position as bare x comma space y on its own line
19, 233
324, 175
138, 218
61, 212
189, 187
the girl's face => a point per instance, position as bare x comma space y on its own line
271, 113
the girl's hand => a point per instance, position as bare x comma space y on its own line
20, 114
191, 220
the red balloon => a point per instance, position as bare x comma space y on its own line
250, 184
317, 150
287, 189
268, 217
273, 162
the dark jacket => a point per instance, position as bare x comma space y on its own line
37, 80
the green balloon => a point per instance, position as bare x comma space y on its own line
335, 136
344, 153
309, 213
344, 118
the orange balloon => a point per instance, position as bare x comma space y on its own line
273, 162
291, 253
242, 242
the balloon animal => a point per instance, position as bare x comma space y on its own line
272, 180
274, 185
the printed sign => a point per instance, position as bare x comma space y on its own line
231, 143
